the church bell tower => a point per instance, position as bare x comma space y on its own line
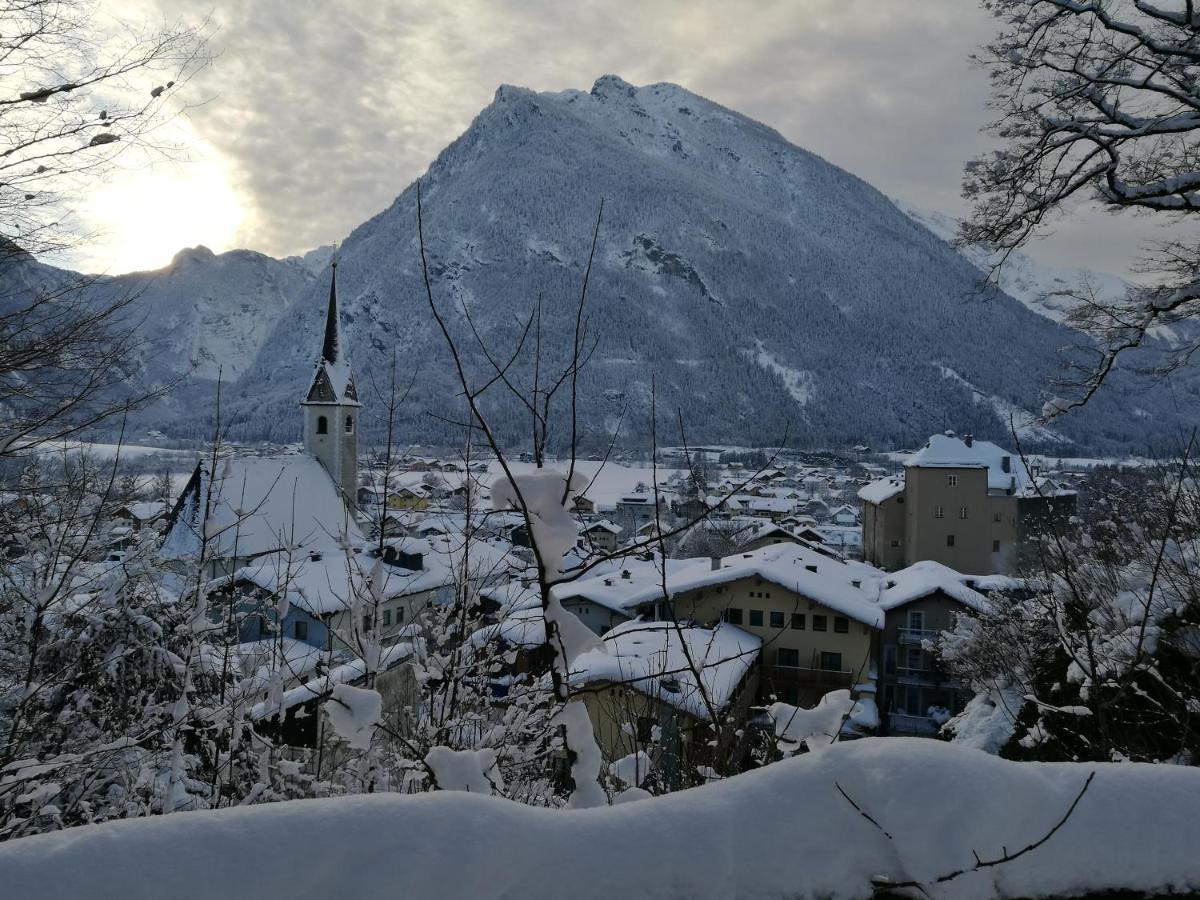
331, 407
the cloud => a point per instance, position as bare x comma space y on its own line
324, 111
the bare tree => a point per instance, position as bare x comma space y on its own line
1098, 101
74, 96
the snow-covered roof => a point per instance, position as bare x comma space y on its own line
649, 657
623, 587
948, 451
881, 491
845, 587
329, 581
604, 525
927, 577
317, 687
261, 504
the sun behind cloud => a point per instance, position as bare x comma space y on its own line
144, 215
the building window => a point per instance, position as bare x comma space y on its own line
733, 616
841, 624
895, 543
300, 631
322, 425
756, 617
995, 546
645, 729
349, 424
952, 481
938, 512
366, 622
831, 662
788, 657
949, 540
798, 621
399, 615
776, 620
916, 620
819, 623
387, 618
996, 517
915, 660
889, 659
962, 512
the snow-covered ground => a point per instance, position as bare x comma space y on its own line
782, 831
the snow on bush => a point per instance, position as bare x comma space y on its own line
796, 726
546, 498
473, 771
785, 830
585, 769
354, 713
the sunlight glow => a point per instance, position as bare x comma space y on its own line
145, 215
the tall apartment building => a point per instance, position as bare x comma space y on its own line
964, 503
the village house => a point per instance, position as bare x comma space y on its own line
916, 691
601, 536
815, 614
646, 702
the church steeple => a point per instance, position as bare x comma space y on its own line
333, 337
331, 405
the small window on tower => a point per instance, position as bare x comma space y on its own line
322, 425
349, 424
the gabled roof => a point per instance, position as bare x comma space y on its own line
843, 586
948, 451
927, 577
649, 657
259, 504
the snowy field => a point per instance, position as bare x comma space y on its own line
782, 831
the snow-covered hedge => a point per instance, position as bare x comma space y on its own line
782, 831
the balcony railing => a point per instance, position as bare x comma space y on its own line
822, 677
902, 723
927, 676
916, 635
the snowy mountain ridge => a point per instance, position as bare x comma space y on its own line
1044, 289
756, 290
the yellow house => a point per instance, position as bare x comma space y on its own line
408, 497
815, 613
652, 704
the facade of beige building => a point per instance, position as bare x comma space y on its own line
964, 503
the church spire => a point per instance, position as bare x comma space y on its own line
331, 405
333, 336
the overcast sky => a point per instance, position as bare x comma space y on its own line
319, 113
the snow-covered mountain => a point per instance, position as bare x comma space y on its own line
760, 289
1045, 289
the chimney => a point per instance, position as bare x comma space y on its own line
968, 439
716, 563
625, 574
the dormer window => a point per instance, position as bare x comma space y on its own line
349, 424
322, 425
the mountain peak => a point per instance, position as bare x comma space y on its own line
613, 86
199, 253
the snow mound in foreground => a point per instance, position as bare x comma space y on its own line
783, 831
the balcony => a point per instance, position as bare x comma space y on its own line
916, 636
902, 723
931, 676
802, 677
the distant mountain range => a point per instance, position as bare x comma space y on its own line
760, 290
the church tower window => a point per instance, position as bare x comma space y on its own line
349, 424
322, 425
